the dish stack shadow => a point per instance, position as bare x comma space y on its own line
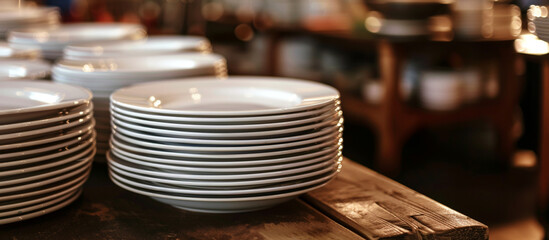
221, 146
47, 146
103, 76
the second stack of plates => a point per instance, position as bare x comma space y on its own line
234, 145
47, 144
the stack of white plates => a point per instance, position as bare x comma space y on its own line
53, 40
155, 45
27, 17
234, 145
24, 69
47, 144
105, 76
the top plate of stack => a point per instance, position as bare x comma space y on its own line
154, 45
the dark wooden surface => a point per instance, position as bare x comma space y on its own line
358, 204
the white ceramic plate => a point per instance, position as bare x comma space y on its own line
25, 96
226, 163
220, 205
12, 69
233, 127
41, 211
225, 184
212, 156
228, 135
238, 142
161, 173
226, 120
60, 36
51, 138
153, 45
226, 193
235, 96
225, 149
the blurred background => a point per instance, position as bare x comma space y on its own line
443, 96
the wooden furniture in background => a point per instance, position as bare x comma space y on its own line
358, 204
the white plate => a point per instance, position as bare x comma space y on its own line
227, 120
41, 211
225, 184
220, 205
65, 115
162, 173
130, 69
29, 209
229, 135
233, 127
12, 137
224, 149
60, 36
235, 96
225, 163
12, 69
239, 142
57, 146
206, 157
153, 45
25, 96
54, 137
223, 193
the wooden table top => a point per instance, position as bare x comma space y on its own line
358, 204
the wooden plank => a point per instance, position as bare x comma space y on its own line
377, 207
106, 211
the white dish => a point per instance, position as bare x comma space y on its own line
12, 69
220, 205
225, 184
59, 36
224, 193
224, 149
153, 45
25, 96
235, 96
41, 211
205, 156
236, 142
64, 115
225, 163
232, 127
51, 138
226, 120
228, 135
128, 166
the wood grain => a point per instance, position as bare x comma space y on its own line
377, 207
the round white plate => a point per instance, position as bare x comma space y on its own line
238, 142
337, 121
41, 211
220, 205
13, 69
225, 184
54, 137
233, 127
60, 36
224, 149
227, 120
226, 193
162, 173
205, 156
225, 163
65, 115
153, 45
235, 96
24, 96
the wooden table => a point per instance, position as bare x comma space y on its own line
358, 204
